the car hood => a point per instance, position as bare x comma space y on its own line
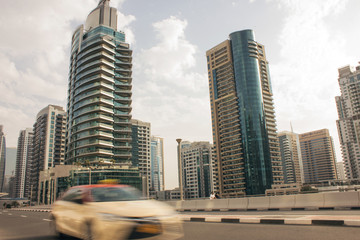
142, 208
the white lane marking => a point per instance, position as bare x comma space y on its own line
48, 220
23, 216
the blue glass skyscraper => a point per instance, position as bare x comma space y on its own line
243, 117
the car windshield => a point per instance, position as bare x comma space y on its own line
113, 194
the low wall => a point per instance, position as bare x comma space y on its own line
313, 201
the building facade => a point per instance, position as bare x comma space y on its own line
48, 144
23, 157
291, 157
197, 171
157, 175
348, 125
340, 169
99, 92
2, 159
140, 149
243, 117
318, 156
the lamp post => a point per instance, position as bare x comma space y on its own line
180, 169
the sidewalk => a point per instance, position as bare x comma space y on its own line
351, 220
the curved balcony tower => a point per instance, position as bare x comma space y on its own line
99, 92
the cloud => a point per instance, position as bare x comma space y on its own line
305, 79
123, 24
34, 56
168, 91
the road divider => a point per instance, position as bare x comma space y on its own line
312, 201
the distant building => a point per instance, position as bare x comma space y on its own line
10, 160
157, 164
24, 154
197, 172
140, 149
317, 151
243, 116
291, 157
2, 158
348, 106
167, 195
48, 144
340, 169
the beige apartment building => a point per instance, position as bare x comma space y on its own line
318, 156
348, 125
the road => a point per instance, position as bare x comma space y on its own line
20, 225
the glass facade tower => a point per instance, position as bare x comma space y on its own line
243, 117
99, 92
157, 164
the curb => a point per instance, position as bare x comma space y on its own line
266, 209
280, 221
30, 210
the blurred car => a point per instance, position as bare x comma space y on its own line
107, 211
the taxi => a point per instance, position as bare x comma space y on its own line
112, 211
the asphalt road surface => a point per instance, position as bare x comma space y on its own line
21, 225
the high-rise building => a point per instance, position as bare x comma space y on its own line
340, 170
10, 160
157, 175
291, 157
2, 158
243, 117
318, 156
197, 172
23, 156
48, 144
140, 149
348, 125
99, 92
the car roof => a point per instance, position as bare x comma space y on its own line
100, 186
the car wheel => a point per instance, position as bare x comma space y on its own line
88, 232
55, 230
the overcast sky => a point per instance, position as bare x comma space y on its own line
306, 42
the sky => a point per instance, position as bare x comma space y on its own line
306, 41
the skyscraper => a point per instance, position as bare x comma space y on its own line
197, 169
318, 156
291, 157
2, 158
23, 156
243, 117
340, 170
140, 149
48, 144
348, 125
157, 175
99, 92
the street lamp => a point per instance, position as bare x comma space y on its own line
180, 169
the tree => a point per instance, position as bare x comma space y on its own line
15, 204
